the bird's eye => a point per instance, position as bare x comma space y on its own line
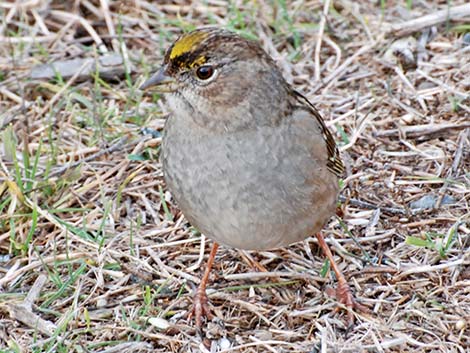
204, 72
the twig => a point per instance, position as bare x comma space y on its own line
64, 88
429, 268
372, 206
443, 85
464, 136
455, 165
257, 275
109, 23
12, 275
35, 291
23, 312
326, 7
94, 156
335, 75
422, 130
417, 24
71, 17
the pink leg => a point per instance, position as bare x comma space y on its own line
343, 292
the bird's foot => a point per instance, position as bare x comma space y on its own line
345, 297
200, 309
200, 301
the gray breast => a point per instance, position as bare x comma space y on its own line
256, 189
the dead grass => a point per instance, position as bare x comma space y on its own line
94, 255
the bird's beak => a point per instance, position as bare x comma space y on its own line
161, 81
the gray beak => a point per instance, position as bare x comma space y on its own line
160, 79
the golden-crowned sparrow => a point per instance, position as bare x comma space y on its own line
248, 159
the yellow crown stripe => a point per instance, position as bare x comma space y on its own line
186, 43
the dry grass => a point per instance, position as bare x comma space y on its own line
94, 255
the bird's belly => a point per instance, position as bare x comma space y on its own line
253, 195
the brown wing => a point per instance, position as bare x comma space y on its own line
334, 164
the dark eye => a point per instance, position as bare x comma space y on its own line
204, 72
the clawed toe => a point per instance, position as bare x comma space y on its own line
200, 308
345, 297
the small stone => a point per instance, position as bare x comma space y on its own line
426, 85
403, 52
4, 258
429, 201
466, 39
460, 324
152, 132
465, 83
224, 343
264, 335
159, 323
100, 303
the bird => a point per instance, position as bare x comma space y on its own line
248, 159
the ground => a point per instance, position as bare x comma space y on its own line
95, 255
